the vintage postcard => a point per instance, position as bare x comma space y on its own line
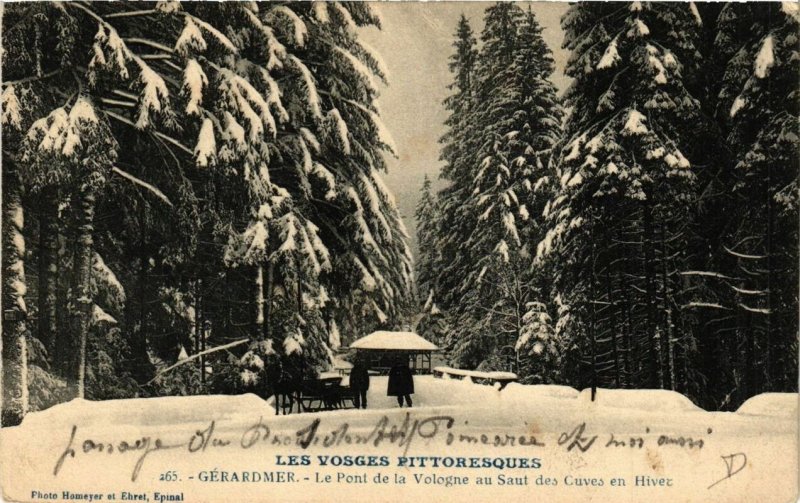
399, 251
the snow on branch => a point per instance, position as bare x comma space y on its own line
350, 25
109, 51
191, 39
276, 52
705, 273
738, 104
206, 149
321, 12
198, 355
339, 129
11, 108
300, 30
744, 256
610, 56
329, 179
635, 123
311, 88
61, 131
194, 80
765, 58
246, 99
152, 189
154, 96
159, 135
709, 305
384, 135
221, 38
358, 67
135, 13
104, 279
757, 310
98, 316
745, 291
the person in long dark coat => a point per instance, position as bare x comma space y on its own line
401, 383
359, 383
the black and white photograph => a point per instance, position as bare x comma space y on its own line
400, 250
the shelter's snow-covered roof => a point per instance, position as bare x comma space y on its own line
405, 341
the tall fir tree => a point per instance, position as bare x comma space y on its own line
751, 288
504, 121
617, 217
426, 216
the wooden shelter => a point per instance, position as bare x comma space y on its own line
382, 348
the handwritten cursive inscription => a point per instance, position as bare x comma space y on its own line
386, 433
145, 445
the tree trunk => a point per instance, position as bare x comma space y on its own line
83, 267
299, 292
198, 319
64, 346
592, 324
627, 328
199, 331
774, 308
14, 380
614, 329
48, 272
143, 367
670, 333
269, 285
258, 327
653, 329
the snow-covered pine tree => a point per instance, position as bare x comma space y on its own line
426, 216
758, 109
74, 148
451, 263
27, 67
433, 322
58, 37
345, 140
539, 350
14, 378
521, 120
497, 154
617, 219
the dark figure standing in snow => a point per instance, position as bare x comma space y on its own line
401, 383
359, 383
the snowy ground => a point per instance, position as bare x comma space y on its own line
656, 436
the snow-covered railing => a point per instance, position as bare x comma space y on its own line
503, 378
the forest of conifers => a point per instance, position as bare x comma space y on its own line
641, 229
183, 177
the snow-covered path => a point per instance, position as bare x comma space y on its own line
658, 436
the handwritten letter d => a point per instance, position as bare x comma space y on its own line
734, 464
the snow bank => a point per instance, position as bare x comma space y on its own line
517, 390
771, 404
652, 400
149, 411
